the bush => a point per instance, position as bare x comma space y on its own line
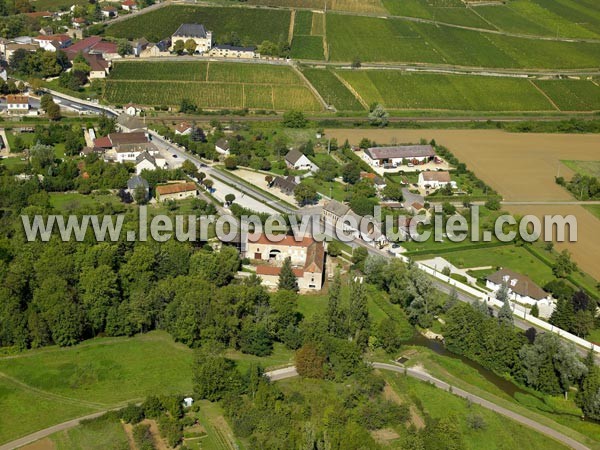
132, 414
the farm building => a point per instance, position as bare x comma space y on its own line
176, 191
435, 180
296, 160
398, 155
197, 33
231, 51
520, 287
307, 257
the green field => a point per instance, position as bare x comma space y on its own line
332, 89
252, 25
93, 435
307, 47
387, 40
595, 210
449, 11
400, 90
499, 431
572, 95
209, 85
589, 168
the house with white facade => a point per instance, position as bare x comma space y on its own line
176, 191
296, 160
135, 183
17, 104
435, 180
396, 156
129, 5
183, 129
231, 51
197, 33
146, 161
521, 288
340, 217
222, 146
53, 42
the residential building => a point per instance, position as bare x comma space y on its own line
131, 110
435, 180
306, 255
176, 191
136, 182
53, 42
296, 160
159, 49
197, 33
287, 185
341, 218
146, 161
78, 22
129, 5
99, 67
231, 51
114, 140
183, 129
130, 152
378, 182
520, 287
398, 155
222, 146
129, 124
8, 49
109, 12
333, 211
139, 46
17, 104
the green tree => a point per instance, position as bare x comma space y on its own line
294, 119
179, 47
309, 361
335, 313
388, 334
190, 46
358, 314
124, 47
305, 194
53, 111
287, 279
351, 173
98, 293
213, 375
563, 265
379, 116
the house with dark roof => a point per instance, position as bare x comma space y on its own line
222, 146
129, 124
435, 180
296, 160
196, 32
109, 12
521, 288
136, 182
286, 185
398, 155
306, 255
341, 218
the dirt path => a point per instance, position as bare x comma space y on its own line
292, 24
352, 90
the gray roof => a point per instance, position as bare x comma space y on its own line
400, 151
145, 156
410, 198
524, 285
137, 181
293, 156
191, 30
223, 144
336, 208
287, 184
129, 122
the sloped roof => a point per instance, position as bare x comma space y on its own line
223, 144
286, 240
137, 181
275, 271
17, 99
315, 258
523, 286
137, 137
400, 151
183, 127
145, 156
176, 188
336, 208
293, 156
191, 30
442, 177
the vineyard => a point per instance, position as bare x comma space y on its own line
308, 36
252, 25
397, 90
572, 95
209, 85
332, 90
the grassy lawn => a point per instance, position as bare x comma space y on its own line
13, 163
594, 209
499, 431
94, 435
281, 357
327, 188
589, 168
71, 201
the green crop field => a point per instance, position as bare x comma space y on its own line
584, 12
307, 47
209, 85
252, 25
572, 95
303, 23
451, 11
386, 40
589, 168
398, 90
332, 90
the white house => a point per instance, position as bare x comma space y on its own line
129, 5
188, 402
298, 161
146, 161
197, 33
435, 180
17, 104
520, 287
398, 155
222, 146
131, 109
109, 12
53, 42
231, 51
183, 129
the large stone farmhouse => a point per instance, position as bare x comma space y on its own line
307, 257
197, 33
399, 155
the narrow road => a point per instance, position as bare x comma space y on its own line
290, 372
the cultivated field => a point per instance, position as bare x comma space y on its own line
589, 168
209, 85
360, 6
308, 36
572, 95
520, 166
387, 40
401, 90
252, 25
332, 89
447, 11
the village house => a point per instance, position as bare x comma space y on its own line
520, 287
197, 33
183, 129
378, 182
231, 51
139, 46
146, 161
222, 146
391, 157
131, 109
109, 12
287, 185
129, 5
136, 182
306, 255
129, 124
435, 180
341, 218
17, 104
99, 67
296, 160
53, 42
176, 191
158, 49
78, 22
9, 48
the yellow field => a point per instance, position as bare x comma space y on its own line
360, 6
520, 166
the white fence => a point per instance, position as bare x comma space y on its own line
517, 310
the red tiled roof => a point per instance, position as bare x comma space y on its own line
103, 142
176, 188
17, 99
39, 14
183, 126
104, 47
83, 45
129, 3
54, 38
79, 20
286, 240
